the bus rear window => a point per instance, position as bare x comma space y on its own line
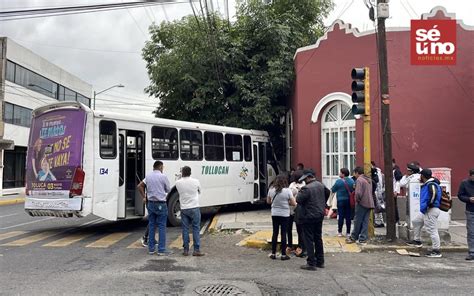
108, 139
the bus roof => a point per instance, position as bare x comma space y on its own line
157, 120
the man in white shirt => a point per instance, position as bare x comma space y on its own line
189, 190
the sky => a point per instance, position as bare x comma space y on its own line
104, 48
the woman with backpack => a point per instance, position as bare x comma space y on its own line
280, 197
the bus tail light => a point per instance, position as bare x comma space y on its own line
77, 182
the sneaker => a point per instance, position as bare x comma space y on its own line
350, 240
151, 253
320, 265
339, 234
198, 254
272, 256
362, 242
415, 243
144, 241
434, 254
185, 253
285, 257
308, 267
470, 258
164, 253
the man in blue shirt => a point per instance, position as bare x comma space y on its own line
157, 188
430, 199
342, 188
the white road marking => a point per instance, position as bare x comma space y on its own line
4, 216
26, 223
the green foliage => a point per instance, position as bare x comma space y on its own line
205, 69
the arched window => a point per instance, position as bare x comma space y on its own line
338, 141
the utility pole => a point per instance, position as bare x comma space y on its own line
382, 14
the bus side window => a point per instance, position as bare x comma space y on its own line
108, 139
214, 146
233, 147
164, 142
191, 144
247, 148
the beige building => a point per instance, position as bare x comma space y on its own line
27, 81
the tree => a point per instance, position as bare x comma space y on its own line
205, 69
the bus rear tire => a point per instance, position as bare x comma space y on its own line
174, 210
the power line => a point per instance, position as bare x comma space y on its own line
325, 31
72, 10
77, 48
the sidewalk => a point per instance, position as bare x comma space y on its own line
12, 199
259, 225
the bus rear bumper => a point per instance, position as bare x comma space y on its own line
61, 207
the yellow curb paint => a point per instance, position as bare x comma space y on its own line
12, 201
212, 226
178, 243
108, 240
31, 239
262, 236
68, 240
136, 245
11, 234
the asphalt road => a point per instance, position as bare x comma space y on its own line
93, 265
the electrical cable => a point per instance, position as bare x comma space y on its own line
325, 31
59, 11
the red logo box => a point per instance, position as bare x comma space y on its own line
433, 42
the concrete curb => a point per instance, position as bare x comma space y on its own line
12, 201
212, 226
381, 248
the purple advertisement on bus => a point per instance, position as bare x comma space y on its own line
55, 150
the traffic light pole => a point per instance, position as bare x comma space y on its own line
386, 128
367, 150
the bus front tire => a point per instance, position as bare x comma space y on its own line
174, 210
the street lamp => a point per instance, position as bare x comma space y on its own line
97, 93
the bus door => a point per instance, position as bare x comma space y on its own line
260, 170
132, 172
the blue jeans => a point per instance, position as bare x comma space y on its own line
191, 217
361, 223
157, 215
470, 231
344, 213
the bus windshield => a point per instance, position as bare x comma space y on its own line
55, 150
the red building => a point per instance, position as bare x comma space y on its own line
432, 107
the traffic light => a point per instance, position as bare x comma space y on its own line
360, 91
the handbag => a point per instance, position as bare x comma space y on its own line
351, 195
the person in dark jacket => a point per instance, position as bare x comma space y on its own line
311, 203
466, 194
430, 199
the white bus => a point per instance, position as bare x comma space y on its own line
83, 162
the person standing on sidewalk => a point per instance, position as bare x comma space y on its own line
312, 200
295, 187
397, 176
343, 187
364, 203
430, 199
466, 194
280, 197
189, 190
157, 188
